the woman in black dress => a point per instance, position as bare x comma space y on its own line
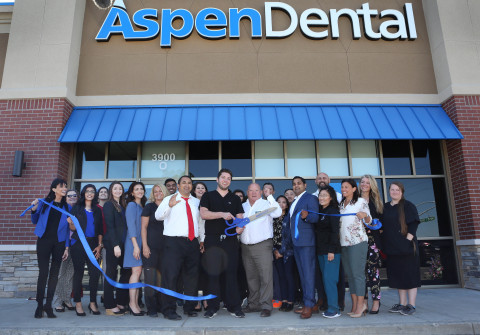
152, 237
369, 192
400, 223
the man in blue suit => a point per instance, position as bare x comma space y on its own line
303, 238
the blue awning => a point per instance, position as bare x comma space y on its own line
258, 122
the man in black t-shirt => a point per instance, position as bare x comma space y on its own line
222, 251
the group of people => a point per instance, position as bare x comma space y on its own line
183, 240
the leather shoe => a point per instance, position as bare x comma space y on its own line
172, 316
249, 309
265, 313
307, 313
299, 310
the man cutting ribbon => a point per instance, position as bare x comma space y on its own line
257, 245
180, 214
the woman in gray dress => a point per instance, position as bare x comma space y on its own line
135, 202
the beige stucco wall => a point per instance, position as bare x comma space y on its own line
292, 65
454, 31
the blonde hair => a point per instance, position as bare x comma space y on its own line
374, 194
164, 190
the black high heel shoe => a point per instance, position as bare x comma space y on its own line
80, 314
39, 312
97, 312
378, 310
142, 313
70, 308
49, 311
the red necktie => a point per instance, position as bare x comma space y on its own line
191, 229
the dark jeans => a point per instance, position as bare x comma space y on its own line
46, 249
151, 273
110, 301
221, 257
286, 278
179, 255
79, 258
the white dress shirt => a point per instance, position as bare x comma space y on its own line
294, 203
175, 219
260, 229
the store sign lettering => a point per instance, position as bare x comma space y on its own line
213, 23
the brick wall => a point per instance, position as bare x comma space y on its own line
33, 126
464, 160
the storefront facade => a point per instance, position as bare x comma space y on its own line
87, 96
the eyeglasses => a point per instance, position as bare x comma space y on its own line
71, 196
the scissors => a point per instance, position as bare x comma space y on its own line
243, 222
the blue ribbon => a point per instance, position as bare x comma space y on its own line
376, 224
92, 258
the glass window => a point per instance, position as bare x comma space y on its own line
269, 160
122, 160
437, 262
301, 158
163, 160
429, 196
333, 158
396, 157
90, 162
364, 158
237, 156
203, 159
428, 157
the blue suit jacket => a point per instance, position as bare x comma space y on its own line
306, 227
41, 219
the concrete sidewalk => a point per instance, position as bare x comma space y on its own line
439, 311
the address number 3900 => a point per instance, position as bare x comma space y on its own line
163, 159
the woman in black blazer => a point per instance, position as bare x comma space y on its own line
114, 240
90, 218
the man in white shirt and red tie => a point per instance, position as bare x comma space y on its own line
181, 250
257, 245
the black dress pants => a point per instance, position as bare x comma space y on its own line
152, 274
179, 255
221, 257
110, 301
46, 249
79, 258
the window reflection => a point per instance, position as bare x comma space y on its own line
301, 158
269, 159
364, 158
203, 159
122, 160
163, 160
396, 157
333, 157
90, 162
428, 157
237, 156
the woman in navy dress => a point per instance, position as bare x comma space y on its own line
133, 244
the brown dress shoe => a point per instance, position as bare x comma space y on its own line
307, 313
299, 310
265, 313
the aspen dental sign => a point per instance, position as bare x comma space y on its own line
213, 23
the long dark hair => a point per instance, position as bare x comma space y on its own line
51, 195
401, 208
118, 205
131, 198
288, 205
195, 186
81, 201
352, 183
332, 193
